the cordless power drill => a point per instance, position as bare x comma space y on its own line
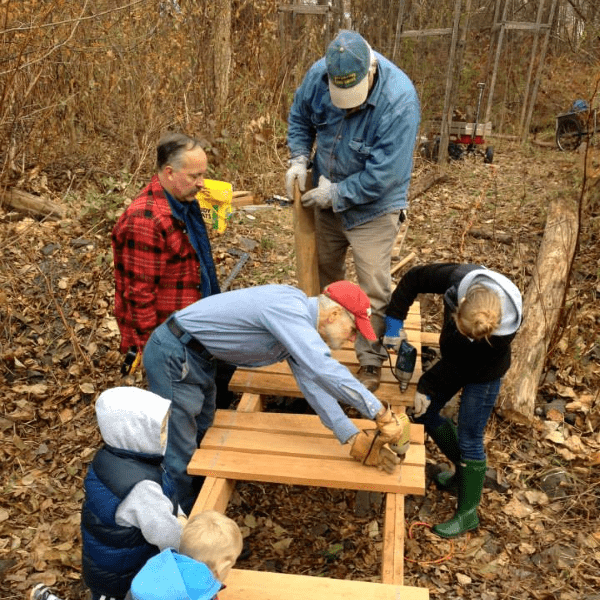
405, 364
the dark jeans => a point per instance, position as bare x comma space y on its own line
477, 401
187, 378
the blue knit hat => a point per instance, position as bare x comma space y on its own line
348, 60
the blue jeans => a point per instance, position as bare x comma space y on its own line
477, 401
187, 378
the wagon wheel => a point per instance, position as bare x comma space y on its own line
568, 134
488, 157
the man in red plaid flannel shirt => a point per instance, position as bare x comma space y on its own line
162, 254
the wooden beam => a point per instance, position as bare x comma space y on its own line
305, 9
303, 470
307, 268
517, 26
426, 32
403, 262
260, 585
393, 540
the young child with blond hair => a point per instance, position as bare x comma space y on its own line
482, 313
210, 546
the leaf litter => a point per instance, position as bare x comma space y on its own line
540, 527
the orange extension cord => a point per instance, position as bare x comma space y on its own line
428, 562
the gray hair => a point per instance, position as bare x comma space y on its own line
171, 148
326, 302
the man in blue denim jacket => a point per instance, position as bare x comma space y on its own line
362, 114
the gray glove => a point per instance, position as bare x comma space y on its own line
394, 342
297, 170
422, 402
321, 196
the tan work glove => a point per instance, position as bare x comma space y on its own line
395, 430
370, 449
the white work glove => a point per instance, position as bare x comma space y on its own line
297, 170
422, 402
394, 333
321, 196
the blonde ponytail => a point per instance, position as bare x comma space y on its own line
479, 313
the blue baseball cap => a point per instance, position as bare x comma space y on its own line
348, 60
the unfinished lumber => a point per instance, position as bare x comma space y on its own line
260, 585
307, 269
298, 450
403, 262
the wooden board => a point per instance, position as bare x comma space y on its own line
259, 585
392, 554
239, 429
298, 450
293, 424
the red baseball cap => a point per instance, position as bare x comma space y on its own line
354, 300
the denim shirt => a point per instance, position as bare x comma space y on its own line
368, 153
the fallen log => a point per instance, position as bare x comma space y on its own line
504, 238
33, 206
542, 308
422, 184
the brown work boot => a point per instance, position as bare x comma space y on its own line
369, 376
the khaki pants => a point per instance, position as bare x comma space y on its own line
372, 245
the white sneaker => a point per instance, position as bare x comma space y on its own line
42, 592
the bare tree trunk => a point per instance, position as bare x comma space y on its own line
543, 304
221, 47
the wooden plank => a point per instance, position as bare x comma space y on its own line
259, 585
393, 540
305, 244
425, 32
214, 495
305, 9
262, 382
293, 470
281, 444
293, 424
430, 338
282, 368
250, 403
216, 492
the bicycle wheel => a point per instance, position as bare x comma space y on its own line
568, 134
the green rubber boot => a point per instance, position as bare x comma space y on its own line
446, 440
470, 477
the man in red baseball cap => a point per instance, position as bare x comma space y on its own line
258, 326
354, 300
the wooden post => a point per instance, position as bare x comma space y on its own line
499, 41
450, 77
307, 269
536, 36
538, 76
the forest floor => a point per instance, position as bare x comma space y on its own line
540, 513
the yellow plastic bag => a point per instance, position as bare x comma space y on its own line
215, 203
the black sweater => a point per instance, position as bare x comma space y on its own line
462, 360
